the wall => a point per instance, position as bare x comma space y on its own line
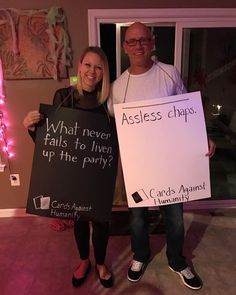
25, 95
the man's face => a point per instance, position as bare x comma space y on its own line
138, 45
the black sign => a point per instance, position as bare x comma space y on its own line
74, 165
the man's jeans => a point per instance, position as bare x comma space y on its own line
174, 225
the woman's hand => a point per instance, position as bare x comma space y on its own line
31, 119
212, 147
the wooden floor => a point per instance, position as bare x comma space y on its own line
36, 260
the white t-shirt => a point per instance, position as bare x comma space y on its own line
159, 81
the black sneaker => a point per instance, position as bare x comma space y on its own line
189, 279
136, 270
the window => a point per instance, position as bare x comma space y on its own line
209, 65
204, 51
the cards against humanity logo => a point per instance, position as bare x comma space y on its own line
139, 196
41, 202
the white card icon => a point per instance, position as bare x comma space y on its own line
42, 202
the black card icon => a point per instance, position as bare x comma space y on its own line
139, 196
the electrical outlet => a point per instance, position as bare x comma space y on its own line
15, 179
2, 167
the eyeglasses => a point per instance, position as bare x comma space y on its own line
141, 41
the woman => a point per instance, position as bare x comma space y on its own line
90, 93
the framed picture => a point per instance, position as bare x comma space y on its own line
34, 44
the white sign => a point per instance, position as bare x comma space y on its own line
163, 145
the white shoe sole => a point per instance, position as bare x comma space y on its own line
134, 281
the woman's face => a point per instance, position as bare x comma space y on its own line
91, 71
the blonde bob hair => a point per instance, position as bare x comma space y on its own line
103, 86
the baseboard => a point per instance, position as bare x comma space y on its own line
17, 212
195, 205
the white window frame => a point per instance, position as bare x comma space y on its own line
183, 18
180, 26
180, 16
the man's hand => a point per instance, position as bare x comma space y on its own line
212, 147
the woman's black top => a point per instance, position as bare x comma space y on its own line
70, 98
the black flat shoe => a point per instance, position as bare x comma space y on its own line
107, 283
78, 282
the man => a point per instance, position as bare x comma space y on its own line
145, 79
